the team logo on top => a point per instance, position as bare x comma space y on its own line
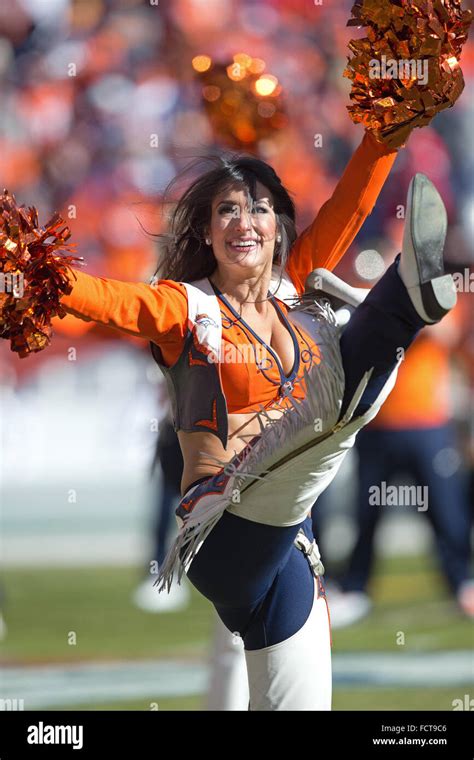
205, 321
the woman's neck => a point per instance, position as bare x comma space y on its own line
242, 290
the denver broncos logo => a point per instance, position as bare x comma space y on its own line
202, 340
205, 321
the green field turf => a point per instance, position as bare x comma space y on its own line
343, 699
44, 606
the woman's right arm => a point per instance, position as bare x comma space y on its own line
157, 312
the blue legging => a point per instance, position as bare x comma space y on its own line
260, 584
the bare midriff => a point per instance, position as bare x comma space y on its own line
204, 454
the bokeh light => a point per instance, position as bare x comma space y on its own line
369, 265
201, 62
266, 85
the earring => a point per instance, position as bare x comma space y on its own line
278, 238
208, 241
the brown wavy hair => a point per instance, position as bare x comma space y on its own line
184, 254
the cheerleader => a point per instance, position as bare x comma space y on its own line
266, 398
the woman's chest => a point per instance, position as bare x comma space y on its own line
272, 335
260, 364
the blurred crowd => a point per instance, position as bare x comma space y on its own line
102, 106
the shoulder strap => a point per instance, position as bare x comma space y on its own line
204, 315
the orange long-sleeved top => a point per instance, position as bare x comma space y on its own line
325, 241
159, 312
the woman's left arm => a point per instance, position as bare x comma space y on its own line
326, 240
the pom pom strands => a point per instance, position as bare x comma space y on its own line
33, 275
406, 69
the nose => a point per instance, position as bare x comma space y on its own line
244, 220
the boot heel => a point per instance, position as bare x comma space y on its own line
439, 296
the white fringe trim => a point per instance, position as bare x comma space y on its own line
323, 400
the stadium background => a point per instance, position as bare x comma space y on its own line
102, 105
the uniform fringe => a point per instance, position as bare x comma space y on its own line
324, 384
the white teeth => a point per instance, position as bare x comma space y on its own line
246, 244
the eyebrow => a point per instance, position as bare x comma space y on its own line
233, 203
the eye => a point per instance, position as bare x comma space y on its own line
226, 209
262, 208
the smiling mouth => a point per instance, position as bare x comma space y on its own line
243, 245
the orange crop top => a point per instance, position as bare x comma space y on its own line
159, 312
256, 378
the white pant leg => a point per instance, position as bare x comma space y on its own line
228, 686
284, 496
294, 674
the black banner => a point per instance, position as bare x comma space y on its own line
378, 734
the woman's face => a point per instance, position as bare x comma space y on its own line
243, 237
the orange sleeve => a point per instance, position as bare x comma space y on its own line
157, 312
326, 240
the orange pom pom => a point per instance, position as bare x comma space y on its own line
406, 69
33, 275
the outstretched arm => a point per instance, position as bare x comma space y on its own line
155, 312
326, 240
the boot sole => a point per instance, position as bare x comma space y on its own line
428, 226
